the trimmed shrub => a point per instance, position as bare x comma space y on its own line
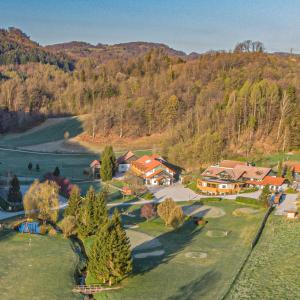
248, 201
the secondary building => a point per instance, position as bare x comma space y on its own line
276, 184
229, 177
125, 160
154, 170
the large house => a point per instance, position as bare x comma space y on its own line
229, 177
295, 167
125, 160
154, 170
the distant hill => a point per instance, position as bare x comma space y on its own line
76, 49
17, 48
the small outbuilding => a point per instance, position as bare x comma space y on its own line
29, 227
125, 160
291, 214
95, 166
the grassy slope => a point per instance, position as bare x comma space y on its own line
174, 276
47, 134
44, 270
272, 271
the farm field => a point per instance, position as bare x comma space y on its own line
272, 270
197, 262
42, 270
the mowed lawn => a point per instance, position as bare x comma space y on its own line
43, 269
272, 272
196, 264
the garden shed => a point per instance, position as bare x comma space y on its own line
30, 227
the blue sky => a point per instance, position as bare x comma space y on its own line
189, 25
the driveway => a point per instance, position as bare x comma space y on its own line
176, 191
180, 193
288, 203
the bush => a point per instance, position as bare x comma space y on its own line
249, 190
187, 179
68, 226
148, 211
248, 201
290, 190
43, 229
176, 217
52, 232
148, 196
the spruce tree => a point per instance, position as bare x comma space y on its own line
106, 170
74, 204
289, 175
120, 255
110, 256
98, 263
113, 159
100, 213
14, 192
264, 196
56, 172
279, 169
86, 215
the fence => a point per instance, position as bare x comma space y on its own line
253, 244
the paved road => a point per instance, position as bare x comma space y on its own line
177, 191
289, 203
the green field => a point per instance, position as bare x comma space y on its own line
272, 271
47, 134
42, 270
176, 276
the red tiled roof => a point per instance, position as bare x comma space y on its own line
95, 163
238, 171
231, 163
277, 181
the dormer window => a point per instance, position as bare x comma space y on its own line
148, 161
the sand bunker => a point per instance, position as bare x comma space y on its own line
201, 255
200, 211
149, 254
216, 233
142, 241
131, 226
244, 211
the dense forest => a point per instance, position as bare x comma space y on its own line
205, 107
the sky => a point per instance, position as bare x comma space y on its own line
188, 25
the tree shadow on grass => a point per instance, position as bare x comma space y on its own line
197, 288
172, 243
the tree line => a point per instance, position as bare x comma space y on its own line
206, 108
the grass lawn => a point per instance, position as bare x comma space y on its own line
43, 270
71, 166
176, 275
272, 271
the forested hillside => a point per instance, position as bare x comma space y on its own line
17, 48
205, 108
